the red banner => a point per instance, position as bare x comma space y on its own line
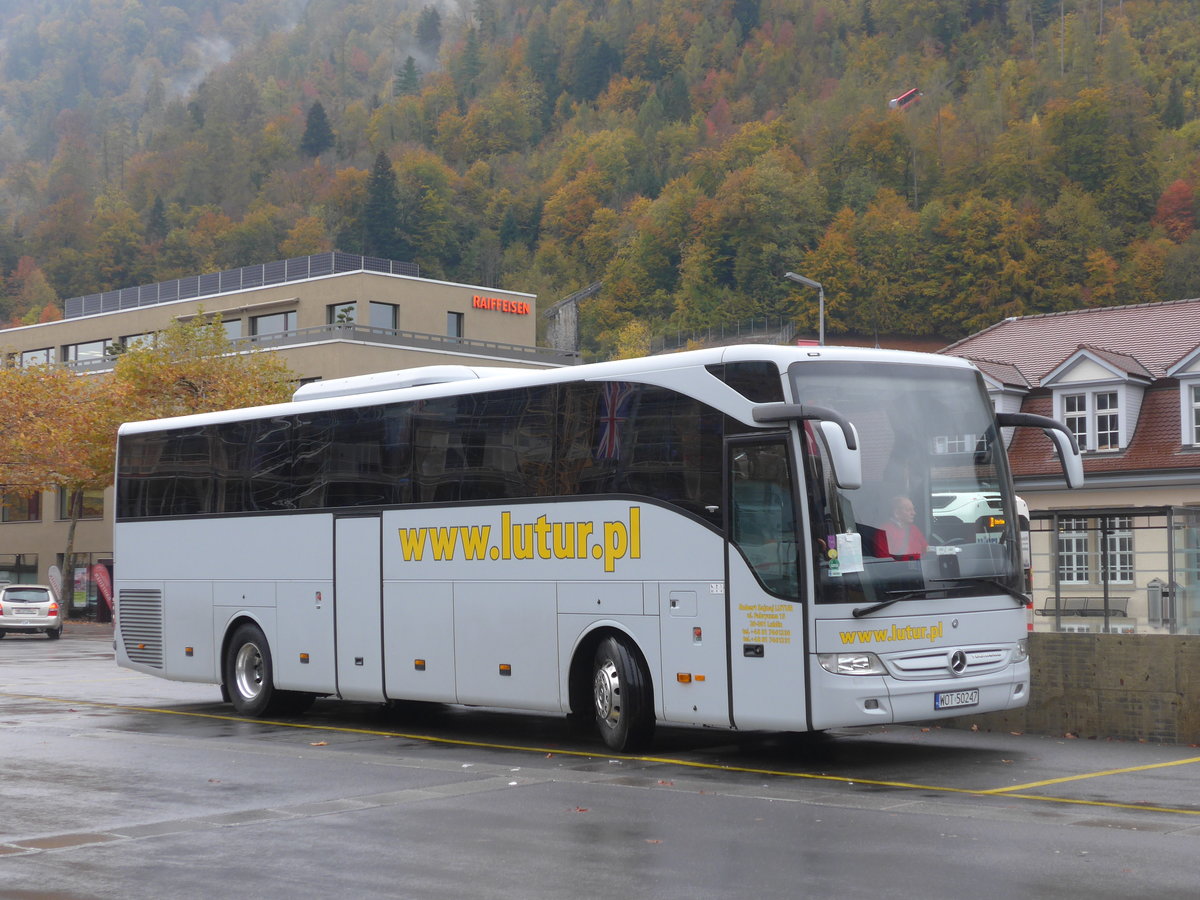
103, 584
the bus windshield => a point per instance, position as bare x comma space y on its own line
935, 516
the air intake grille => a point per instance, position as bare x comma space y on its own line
140, 620
937, 663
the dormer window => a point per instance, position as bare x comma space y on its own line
1094, 417
1098, 394
1187, 370
1195, 392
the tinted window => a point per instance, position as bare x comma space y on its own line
757, 381
531, 442
497, 445
621, 437
352, 457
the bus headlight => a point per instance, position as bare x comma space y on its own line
851, 663
1021, 651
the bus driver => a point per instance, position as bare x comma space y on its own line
899, 538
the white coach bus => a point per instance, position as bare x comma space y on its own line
702, 538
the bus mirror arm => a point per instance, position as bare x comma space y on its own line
837, 432
1064, 441
786, 412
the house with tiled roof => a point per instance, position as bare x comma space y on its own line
1121, 553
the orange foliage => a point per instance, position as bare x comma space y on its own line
1176, 211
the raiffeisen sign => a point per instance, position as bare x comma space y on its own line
501, 304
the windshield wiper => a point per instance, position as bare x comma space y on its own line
990, 582
883, 604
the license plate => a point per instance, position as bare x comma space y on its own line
952, 699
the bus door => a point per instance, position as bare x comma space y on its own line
766, 617
358, 610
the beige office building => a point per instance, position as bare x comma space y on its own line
331, 315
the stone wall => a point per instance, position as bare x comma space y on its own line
1131, 687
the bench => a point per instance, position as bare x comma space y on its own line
1085, 606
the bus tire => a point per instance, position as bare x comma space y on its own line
624, 706
249, 674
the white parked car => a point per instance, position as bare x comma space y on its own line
965, 507
29, 608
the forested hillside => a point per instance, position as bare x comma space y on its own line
686, 153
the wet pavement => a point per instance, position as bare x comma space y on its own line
116, 784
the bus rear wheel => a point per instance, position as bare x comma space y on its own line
249, 676
622, 696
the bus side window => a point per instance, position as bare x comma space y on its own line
763, 520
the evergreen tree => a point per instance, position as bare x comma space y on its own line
488, 19
156, 220
318, 136
541, 56
1173, 114
468, 65
381, 214
595, 62
429, 31
408, 79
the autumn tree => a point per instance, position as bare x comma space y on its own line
58, 430
193, 367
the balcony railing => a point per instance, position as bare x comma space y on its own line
389, 337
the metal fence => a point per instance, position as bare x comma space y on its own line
745, 331
1123, 570
193, 287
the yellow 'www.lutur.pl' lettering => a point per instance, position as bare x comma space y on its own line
540, 539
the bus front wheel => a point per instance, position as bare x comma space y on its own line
621, 692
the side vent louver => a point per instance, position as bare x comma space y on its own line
140, 619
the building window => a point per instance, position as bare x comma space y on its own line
1096, 425
21, 507
1195, 394
41, 357
1073, 551
1075, 417
1118, 547
955, 443
341, 314
274, 323
1108, 428
385, 315
233, 328
86, 352
92, 505
129, 341
18, 568
454, 324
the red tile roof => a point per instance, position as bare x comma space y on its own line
1143, 341
1155, 335
1155, 446
1005, 373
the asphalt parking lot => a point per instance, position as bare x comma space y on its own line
131, 786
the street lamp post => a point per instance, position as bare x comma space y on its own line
800, 279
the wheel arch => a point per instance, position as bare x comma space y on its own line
579, 675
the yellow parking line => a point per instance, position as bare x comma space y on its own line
1086, 775
667, 760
